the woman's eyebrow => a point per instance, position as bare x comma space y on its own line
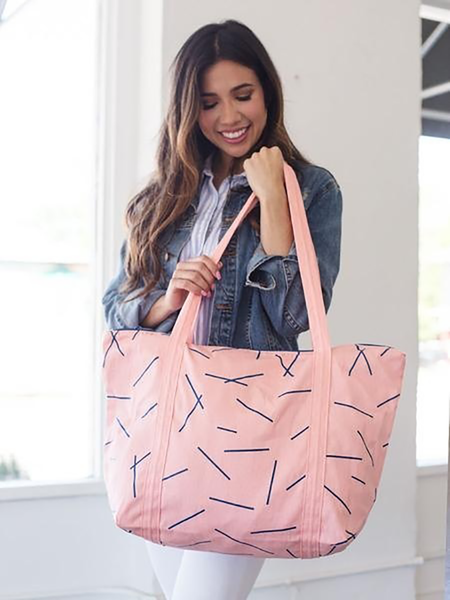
237, 87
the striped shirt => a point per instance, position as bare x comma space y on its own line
205, 236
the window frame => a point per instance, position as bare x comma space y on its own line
434, 10
117, 147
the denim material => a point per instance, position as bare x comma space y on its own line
259, 302
205, 233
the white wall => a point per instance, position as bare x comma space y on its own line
351, 73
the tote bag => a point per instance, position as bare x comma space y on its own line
274, 454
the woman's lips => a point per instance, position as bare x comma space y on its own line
236, 140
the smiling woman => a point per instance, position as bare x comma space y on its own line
236, 119
223, 138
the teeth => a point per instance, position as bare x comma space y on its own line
235, 134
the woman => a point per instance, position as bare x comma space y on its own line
223, 137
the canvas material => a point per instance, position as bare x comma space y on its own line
263, 453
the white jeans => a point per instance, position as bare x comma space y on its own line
197, 575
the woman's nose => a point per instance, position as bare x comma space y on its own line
230, 115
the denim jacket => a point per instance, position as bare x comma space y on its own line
259, 301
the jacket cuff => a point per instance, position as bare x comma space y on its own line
128, 315
263, 269
133, 312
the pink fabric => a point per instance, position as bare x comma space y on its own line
262, 453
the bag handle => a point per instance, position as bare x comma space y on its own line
183, 330
311, 510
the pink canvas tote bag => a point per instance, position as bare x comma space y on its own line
274, 454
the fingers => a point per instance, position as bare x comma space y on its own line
200, 276
197, 274
205, 264
213, 267
186, 284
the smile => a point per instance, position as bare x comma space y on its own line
235, 137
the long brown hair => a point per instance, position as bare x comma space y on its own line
182, 147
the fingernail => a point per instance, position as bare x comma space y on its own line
218, 275
204, 293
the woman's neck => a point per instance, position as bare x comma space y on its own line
223, 166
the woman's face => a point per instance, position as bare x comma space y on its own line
232, 100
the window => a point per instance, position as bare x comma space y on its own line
48, 61
433, 391
434, 301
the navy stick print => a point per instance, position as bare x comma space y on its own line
197, 401
234, 379
388, 400
138, 329
201, 353
123, 428
196, 543
232, 503
226, 429
254, 410
271, 482
357, 479
240, 542
151, 408
340, 499
339, 456
213, 463
173, 474
365, 445
294, 392
247, 450
287, 369
361, 353
275, 530
133, 466
114, 340
299, 432
187, 518
354, 408
295, 482
145, 370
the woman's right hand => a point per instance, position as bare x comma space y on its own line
195, 275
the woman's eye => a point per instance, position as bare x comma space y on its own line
240, 98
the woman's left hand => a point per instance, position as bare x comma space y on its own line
265, 174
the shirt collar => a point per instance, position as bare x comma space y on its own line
238, 179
